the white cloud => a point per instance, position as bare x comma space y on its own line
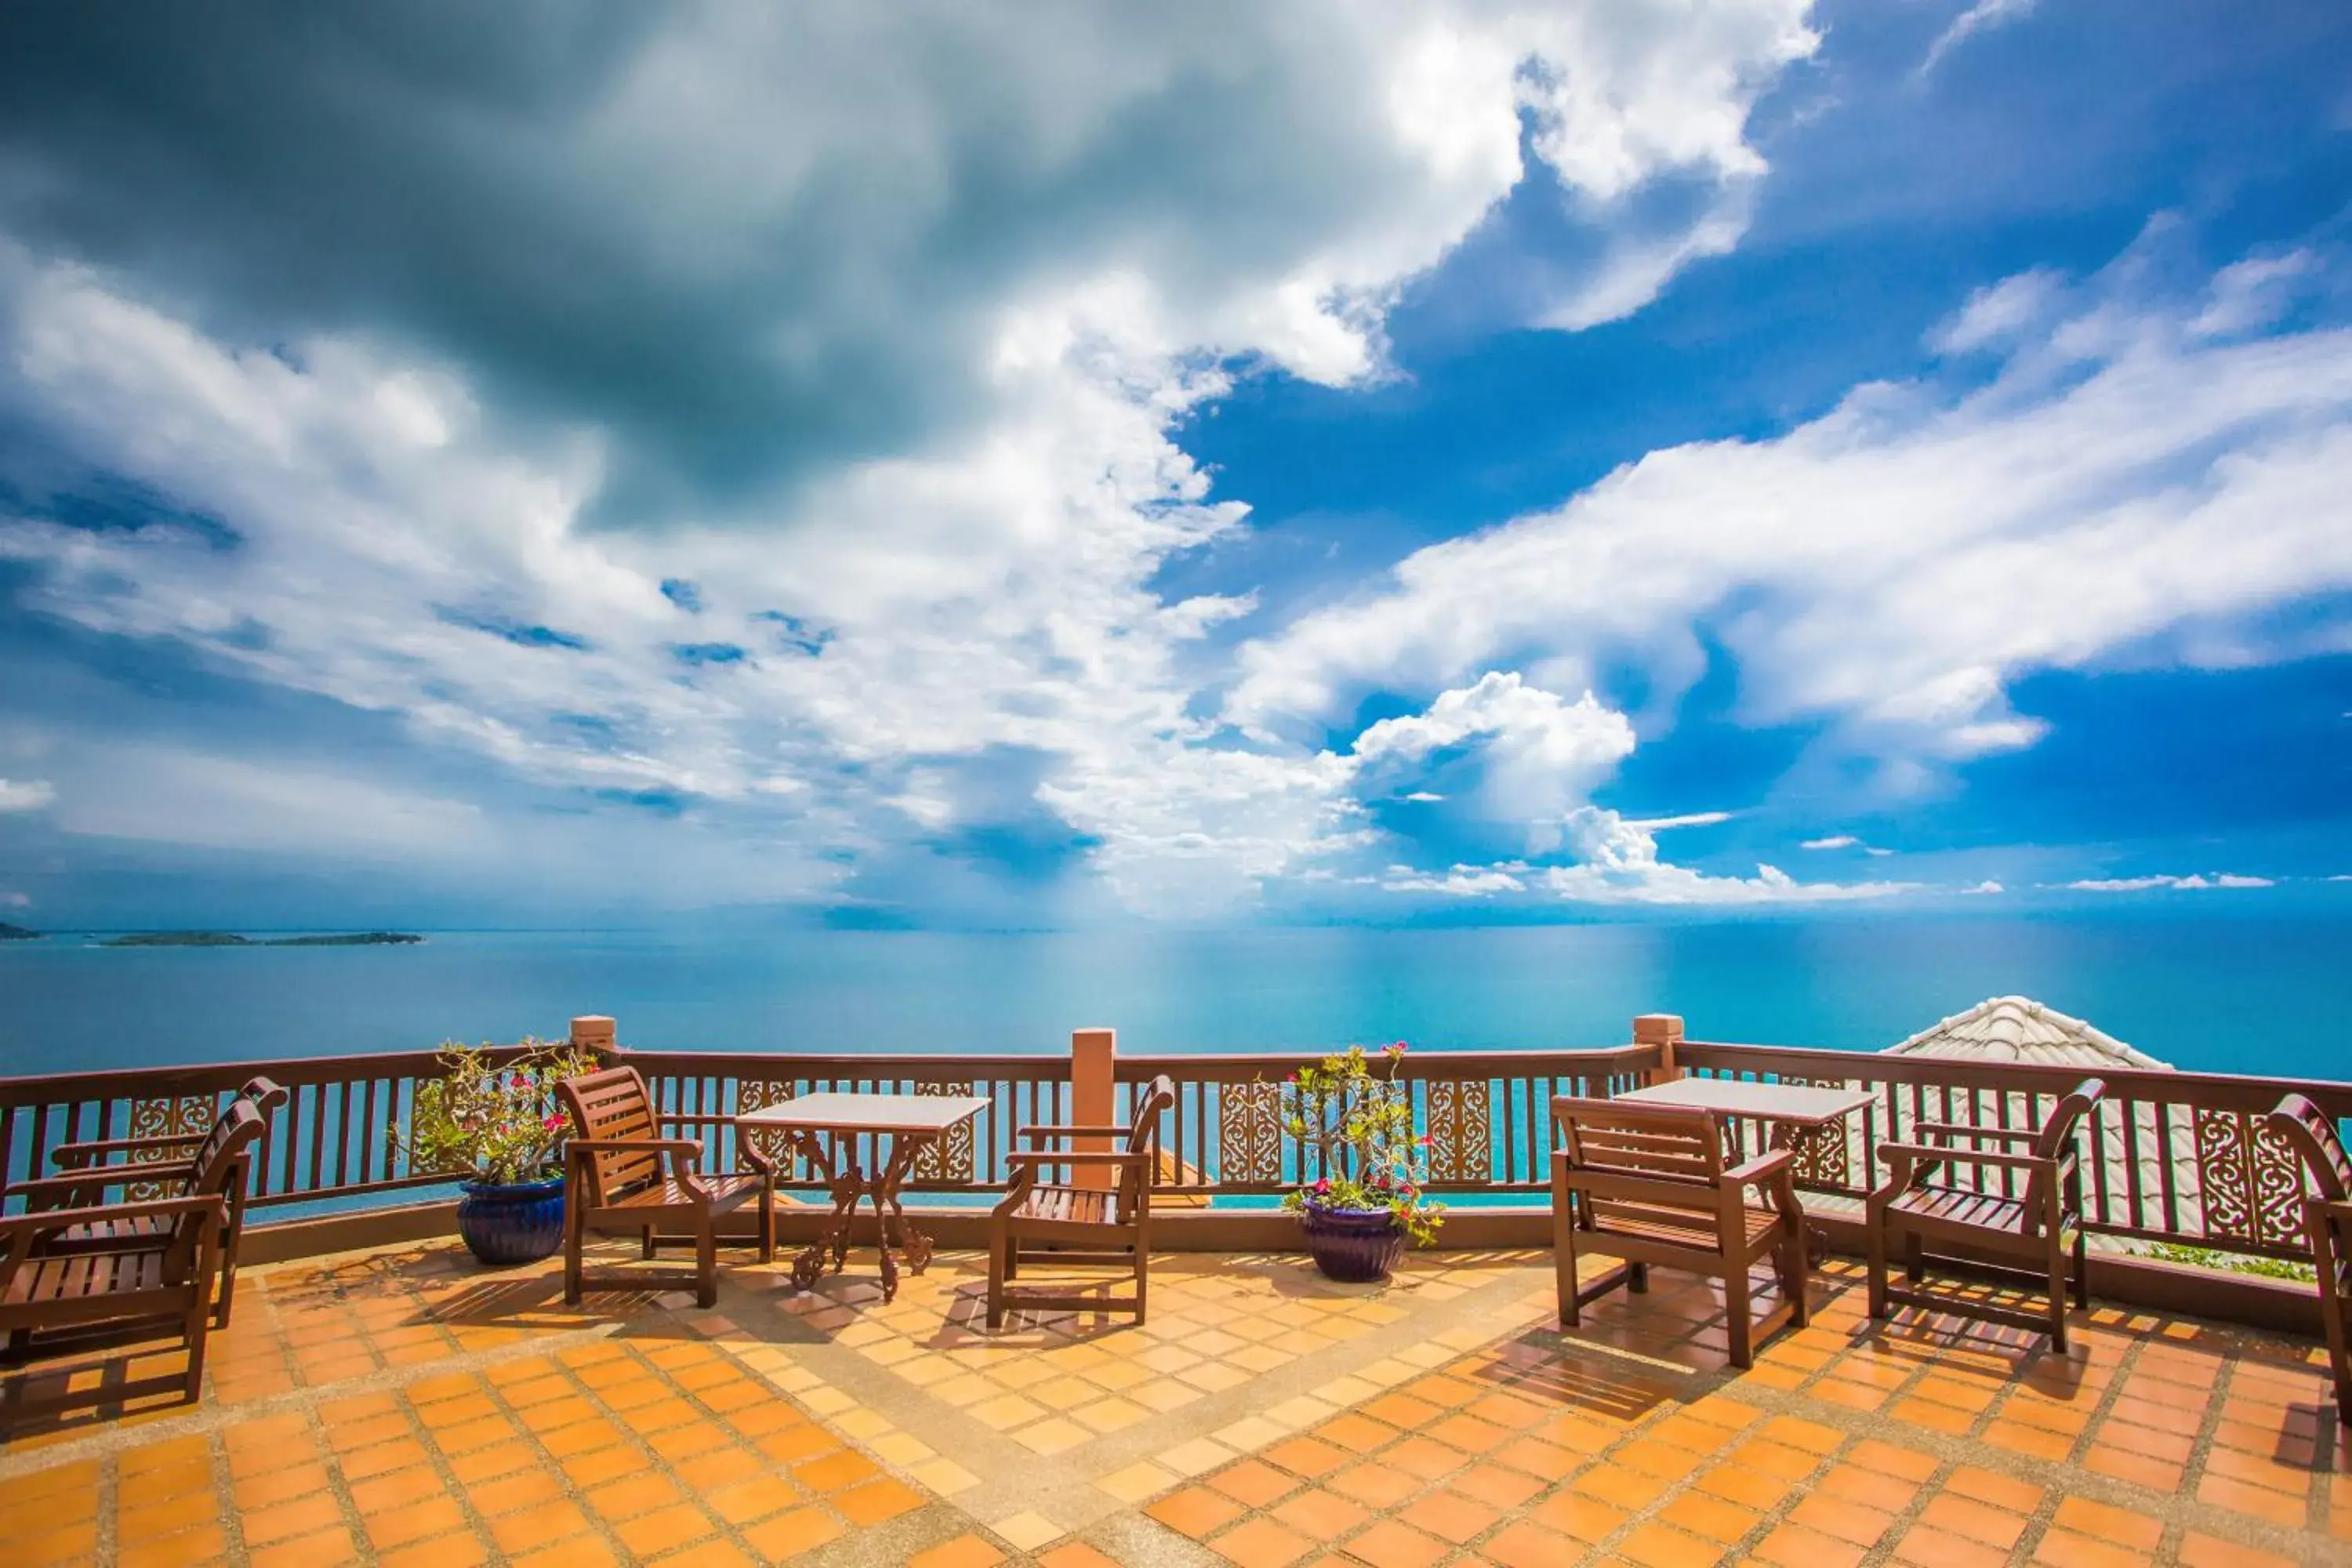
1987, 886
2193, 882
1538, 755
1617, 863
26, 795
2001, 315
1981, 16
2127, 488
1688, 819
1461, 882
1835, 841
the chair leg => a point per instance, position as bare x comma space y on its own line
1736, 1319
1637, 1277
1563, 1255
572, 1242
1795, 1275
706, 1262
2058, 1294
1915, 1257
2081, 1269
1012, 1257
200, 1322
1875, 1240
999, 1243
646, 1242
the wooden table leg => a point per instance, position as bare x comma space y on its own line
808, 1266
890, 1212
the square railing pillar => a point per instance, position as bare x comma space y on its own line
1664, 1031
1093, 1055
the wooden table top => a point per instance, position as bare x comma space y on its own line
831, 1110
1803, 1103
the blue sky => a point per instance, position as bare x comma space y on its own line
1043, 464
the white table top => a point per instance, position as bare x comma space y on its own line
831, 1110
1803, 1103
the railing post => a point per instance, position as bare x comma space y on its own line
594, 1032
1092, 1052
1664, 1030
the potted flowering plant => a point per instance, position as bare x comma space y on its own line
1354, 1129
498, 1128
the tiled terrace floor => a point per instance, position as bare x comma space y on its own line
401, 1406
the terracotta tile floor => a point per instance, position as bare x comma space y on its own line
402, 1406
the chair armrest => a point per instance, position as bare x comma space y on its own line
696, 1119
1761, 1169
1937, 1154
1985, 1134
634, 1145
95, 1179
45, 1220
1075, 1157
1075, 1132
80, 1153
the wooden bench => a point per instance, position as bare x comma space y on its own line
1647, 1184
2327, 1224
1098, 1225
2026, 1232
169, 1273
615, 1182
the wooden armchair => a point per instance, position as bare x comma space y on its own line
2027, 1234
1646, 1183
169, 1274
182, 1164
622, 1177
1099, 1226
2328, 1223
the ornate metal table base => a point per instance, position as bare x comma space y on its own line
847, 1186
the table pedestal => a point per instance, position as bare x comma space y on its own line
849, 1184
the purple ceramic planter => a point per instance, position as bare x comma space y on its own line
1355, 1247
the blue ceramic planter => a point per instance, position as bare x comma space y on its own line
520, 1223
1355, 1246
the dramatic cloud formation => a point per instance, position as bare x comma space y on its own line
762, 455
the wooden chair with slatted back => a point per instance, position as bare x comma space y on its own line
171, 1273
2029, 1231
621, 1176
2326, 1223
1087, 1225
1646, 1183
176, 1164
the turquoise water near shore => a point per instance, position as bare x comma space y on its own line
2232, 994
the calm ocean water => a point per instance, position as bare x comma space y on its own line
2242, 993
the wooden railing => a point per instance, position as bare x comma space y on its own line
2179, 1157
2175, 1157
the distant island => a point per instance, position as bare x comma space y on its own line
230, 939
17, 933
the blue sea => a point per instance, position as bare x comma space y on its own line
2234, 994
